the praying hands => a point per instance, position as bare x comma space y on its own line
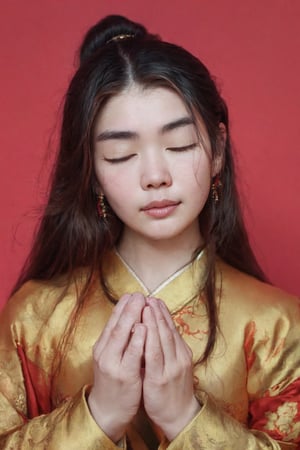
139, 331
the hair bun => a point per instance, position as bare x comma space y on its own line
107, 30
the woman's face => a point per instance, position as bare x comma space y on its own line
150, 164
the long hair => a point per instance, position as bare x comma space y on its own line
116, 53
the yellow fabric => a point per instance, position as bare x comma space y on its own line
255, 364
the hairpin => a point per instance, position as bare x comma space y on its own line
120, 37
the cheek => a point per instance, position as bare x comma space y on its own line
115, 187
203, 177
198, 172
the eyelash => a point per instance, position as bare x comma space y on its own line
118, 160
183, 149
173, 149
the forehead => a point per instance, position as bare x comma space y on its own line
138, 108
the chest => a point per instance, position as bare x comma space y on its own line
224, 377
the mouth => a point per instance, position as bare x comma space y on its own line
160, 209
160, 204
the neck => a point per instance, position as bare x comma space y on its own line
155, 261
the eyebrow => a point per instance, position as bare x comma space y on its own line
110, 135
184, 121
107, 135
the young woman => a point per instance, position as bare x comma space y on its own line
141, 319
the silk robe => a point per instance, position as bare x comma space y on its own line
249, 388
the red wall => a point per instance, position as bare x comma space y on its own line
253, 50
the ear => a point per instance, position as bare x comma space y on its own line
97, 188
218, 160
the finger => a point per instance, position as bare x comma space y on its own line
132, 357
166, 333
166, 313
117, 331
117, 311
181, 345
121, 333
154, 361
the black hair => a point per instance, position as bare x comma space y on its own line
115, 53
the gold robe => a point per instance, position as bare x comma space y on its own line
250, 387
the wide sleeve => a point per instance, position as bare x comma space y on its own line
271, 349
28, 418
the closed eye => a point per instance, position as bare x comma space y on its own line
184, 148
118, 160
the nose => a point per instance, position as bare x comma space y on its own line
155, 171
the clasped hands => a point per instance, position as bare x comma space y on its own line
141, 332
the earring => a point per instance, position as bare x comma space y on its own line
101, 207
216, 189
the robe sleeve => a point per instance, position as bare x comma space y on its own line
272, 357
27, 417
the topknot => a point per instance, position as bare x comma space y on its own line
108, 30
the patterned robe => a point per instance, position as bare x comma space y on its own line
249, 388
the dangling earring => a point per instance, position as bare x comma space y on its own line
101, 207
216, 189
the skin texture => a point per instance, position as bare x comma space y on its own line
142, 327
116, 394
140, 159
152, 164
168, 374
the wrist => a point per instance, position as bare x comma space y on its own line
108, 424
172, 429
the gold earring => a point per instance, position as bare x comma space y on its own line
216, 189
101, 207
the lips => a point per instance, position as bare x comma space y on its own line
160, 209
160, 204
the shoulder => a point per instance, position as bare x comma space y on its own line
246, 296
44, 303
39, 298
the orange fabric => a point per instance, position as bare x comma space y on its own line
38, 402
278, 415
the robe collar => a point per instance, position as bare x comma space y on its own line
176, 291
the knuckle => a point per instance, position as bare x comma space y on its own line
103, 365
107, 369
156, 356
115, 332
187, 365
169, 336
133, 350
176, 373
136, 345
161, 319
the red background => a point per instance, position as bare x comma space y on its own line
252, 48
